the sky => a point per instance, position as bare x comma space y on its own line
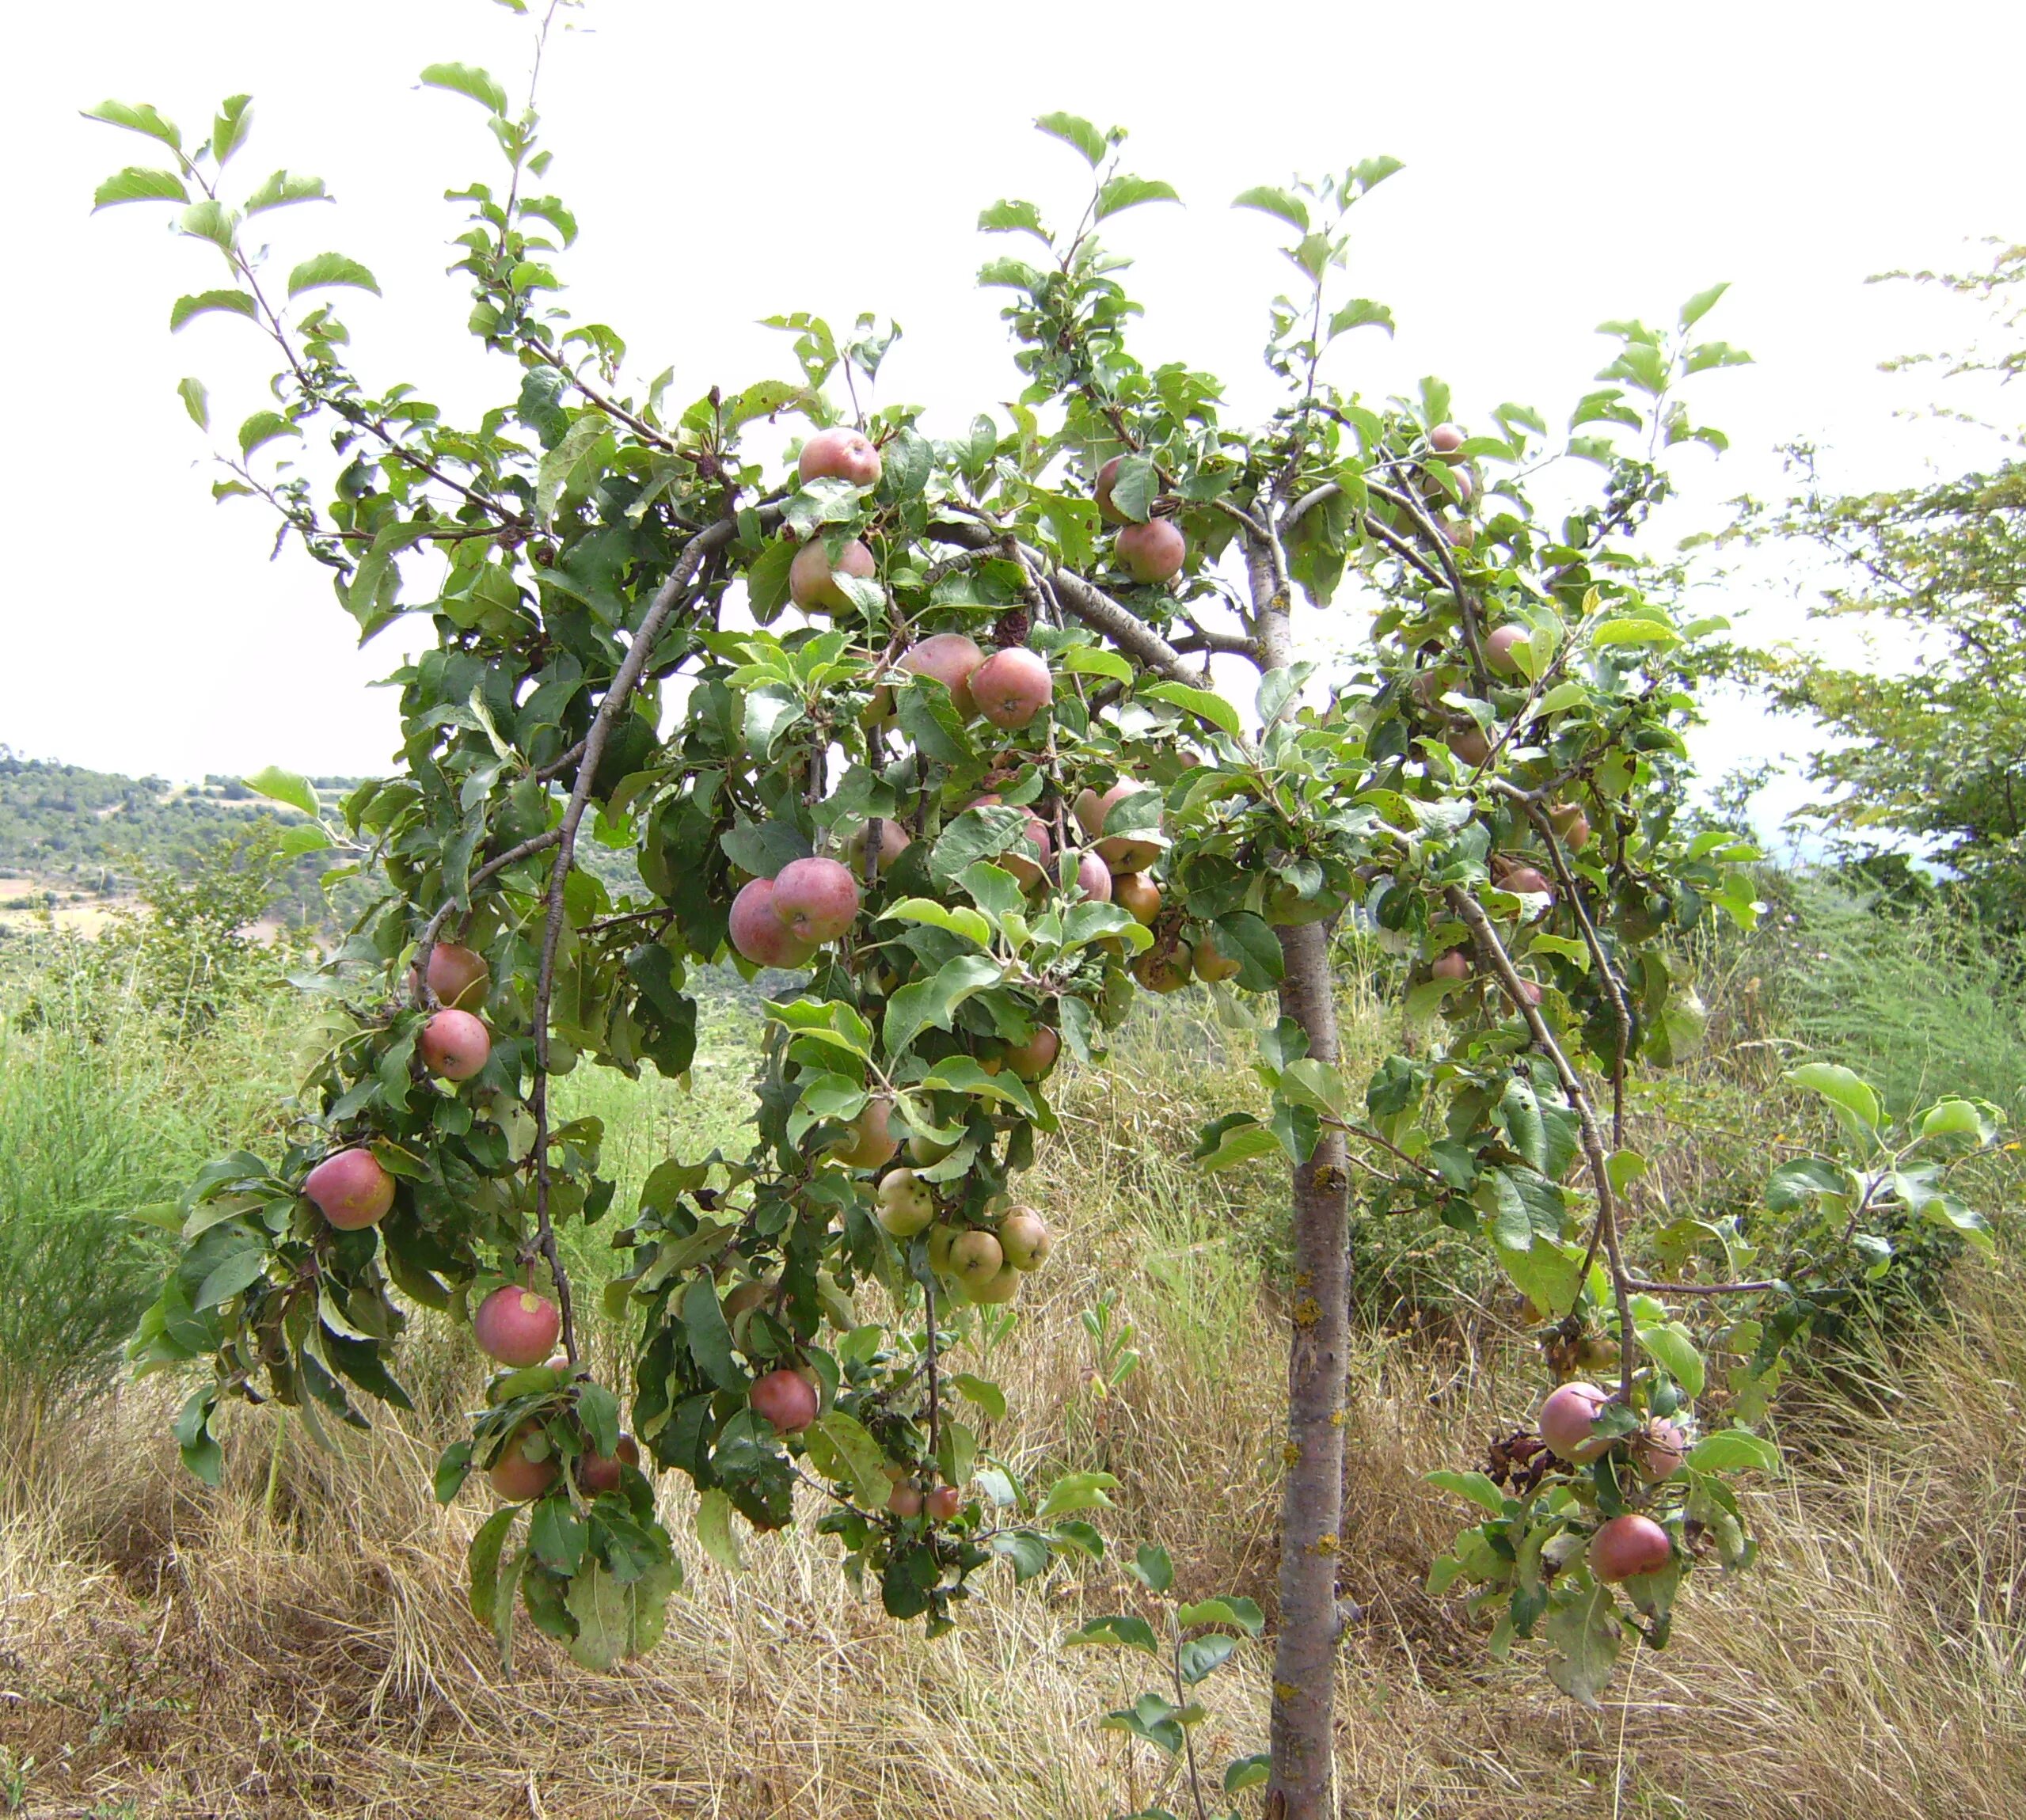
1566, 163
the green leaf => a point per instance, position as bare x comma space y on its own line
195, 401
1236, 1139
840, 1448
1958, 1117
236, 302
961, 921
710, 1339
933, 1001
1072, 131
1014, 218
1476, 1487
264, 427
1244, 1772
465, 79
1094, 660
208, 220
714, 1529
1225, 1610
1612, 632
228, 129
1699, 305
1842, 1089
143, 118
1587, 1633
1673, 1346
1269, 200
1734, 1450
618, 1618
1076, 1491
1124, 192
138, 183
282, 189
1201, 702
1152, 1566
557, 1535
987, 1396
482, 1561
1120, 1632
1201, 1657
1360, 312
280, 786
328, 268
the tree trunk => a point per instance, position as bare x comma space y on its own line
1302, 1736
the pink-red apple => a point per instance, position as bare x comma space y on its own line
906, 1500
1445, 439
457, 976
1658, 1450
1107, 478
786, 1399
1453, 964
1153, 553
816, 900
944, 1502
952, 659
516, 1326
1032, 1059
455, 1045
1011, 686
1122, 852
1627, 1546
350, 1189
514, 1476
1569, 821
840, 454
595, 1473
1568, 1422
894, 842
760, 935
812, 575
1500, 643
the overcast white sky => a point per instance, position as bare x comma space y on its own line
1566, 162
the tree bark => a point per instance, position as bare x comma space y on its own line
1302, 1733
1303, 1730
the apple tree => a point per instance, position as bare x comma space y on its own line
949, 726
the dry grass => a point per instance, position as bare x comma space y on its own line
168, 1651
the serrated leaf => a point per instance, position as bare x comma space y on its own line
1673, 1346
141, 119
1120, 1632
1005, 217
282, 189
986, 1395
1699, 305
1269, 200
195, 401
1074, 132
467, 80
1476, 1487
264, 427
328, 268
1225, 1610
208, 220
280, 786
228, 129
138, 183
482, 1562
1843, 1088
840, 1448
1202, 703
1076, 1491
714, 1529
1360, 312
1734, 1450
237, 303
1124, 192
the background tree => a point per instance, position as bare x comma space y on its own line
774, 689
1932, 752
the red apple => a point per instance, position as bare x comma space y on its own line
1024, 1237
816, 900
1137, 895
871, 1143
1455, 964
1011, 686
760, 935
786, 1399
1032, 1059
350, 1189
595, 1473
455, 1045
1093, 877
456, 975
1627, 1546
1027, 871
811, 576
514, 1476
951, 659
515, 1326
1500, 645
1527, 881
1446, 439
906, 1500
840, 454
1153, 553
1569, 1420
894, 842
944, 1502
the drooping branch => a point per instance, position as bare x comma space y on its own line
1471, 914
673, 591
